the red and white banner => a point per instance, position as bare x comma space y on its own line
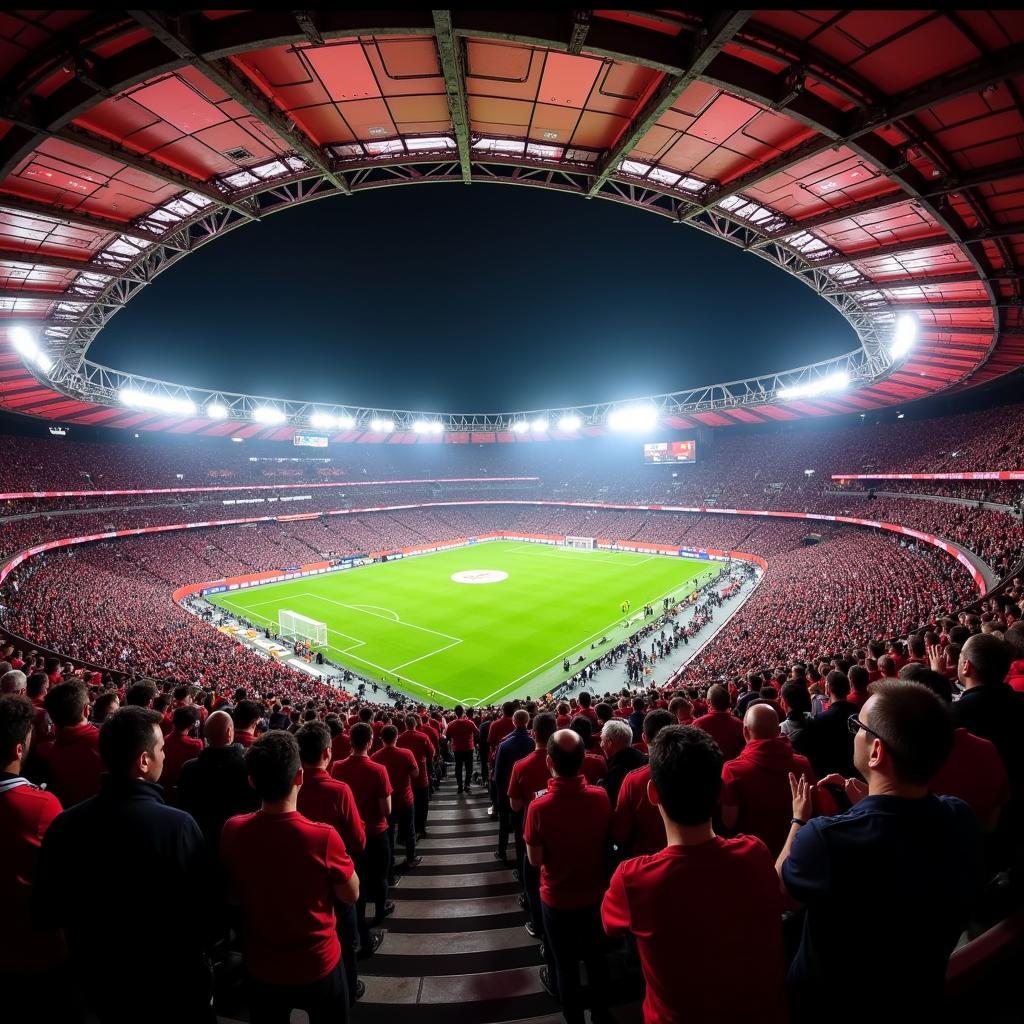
1003, 474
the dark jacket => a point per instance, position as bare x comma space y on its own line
996, 713
125, 876
214, 787
619, 766
515, 746
832, 749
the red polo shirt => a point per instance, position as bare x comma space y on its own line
25, 814
726, 891
500, 728
725, 729
462, 734
341, 747
423, 750
370, 784
529, 777
327, 800
594, 769
246, 739
636, 824
757, 783
974, 771
571, 824
73, 764
289, 935
401, 765
178, 749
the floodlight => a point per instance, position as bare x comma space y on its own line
157, 403
833, 382
268, 414
217, 411
520, 426
25, 343
633, 417
382, 426
322, 420
238, 440
904, 335
567, 424
539, 425
428, 427
346, 422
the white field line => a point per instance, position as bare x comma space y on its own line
575, 647
393, 615
356, 642
363, 608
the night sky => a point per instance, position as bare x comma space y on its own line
469, 299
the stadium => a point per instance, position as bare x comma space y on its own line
693, 704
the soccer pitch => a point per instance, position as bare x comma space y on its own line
410, 624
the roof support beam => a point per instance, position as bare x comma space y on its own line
701, 50
30, 259
176, 35
928, 281
580, 29
915, 244
40, 295
449, 50
77, 218
308, 21
926, 307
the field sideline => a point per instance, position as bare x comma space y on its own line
410, 624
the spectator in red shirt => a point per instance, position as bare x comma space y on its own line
529, 779
726, 890
720, 724
30, 958
756, 796
636, 824
462, 735
246, 715
330, 801
585, 701
290, 945
179, 747
341, 746
371, 788
423, 750
595, 767
860, 679
567, 832
71, 761
402, 770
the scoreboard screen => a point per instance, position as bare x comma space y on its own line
310, 440
657, 452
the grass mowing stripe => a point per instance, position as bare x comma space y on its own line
464, 641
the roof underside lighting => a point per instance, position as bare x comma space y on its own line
268, 414
633, 417
833, 382
428, 427
28, 348
569, 423
323, 420
904, 335
217, 411
539, 425
382, 426
173, 404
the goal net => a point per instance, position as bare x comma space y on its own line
580, 542
293, 626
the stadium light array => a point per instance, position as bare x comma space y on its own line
322, 420
346, 422
382, 426
570, 423
633, 417
268, 414
539, 425
520, 427
833, 382
137, 399
217, 411
904, 335
28, 348
428, 427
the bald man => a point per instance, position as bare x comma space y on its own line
215, 785
756, 797
567, 834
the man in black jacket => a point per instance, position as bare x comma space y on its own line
622, 756
833, 744
215, 785
140, 944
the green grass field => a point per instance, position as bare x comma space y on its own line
410, 624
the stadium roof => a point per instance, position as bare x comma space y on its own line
876, 155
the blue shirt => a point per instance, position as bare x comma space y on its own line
515, 746
888, 888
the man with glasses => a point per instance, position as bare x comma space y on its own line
894, 878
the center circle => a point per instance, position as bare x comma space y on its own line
480, 576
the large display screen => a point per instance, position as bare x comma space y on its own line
670, 451
309, 440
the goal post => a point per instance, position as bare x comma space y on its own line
584, 543
293, 626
